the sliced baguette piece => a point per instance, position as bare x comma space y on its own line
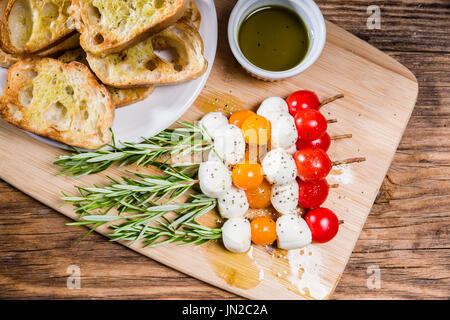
63, 102
7, 60
30, 26
121, 97
141, 66
111, 26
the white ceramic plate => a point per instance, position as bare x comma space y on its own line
166, 104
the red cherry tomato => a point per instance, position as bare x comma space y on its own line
312, 164
311, 124
302, 100
323, 223
312, 194
324, 143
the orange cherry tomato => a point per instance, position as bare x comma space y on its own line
256, 130
259, 198
238, 117
247, 175
263, 231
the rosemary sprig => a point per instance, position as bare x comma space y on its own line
130, 194
187, 139
155, 228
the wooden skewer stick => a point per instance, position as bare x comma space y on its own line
341, 222
333, 186
342, 136
332, 121
347, 161
331, 99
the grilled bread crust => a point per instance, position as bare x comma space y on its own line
32, 26
63, 102
192, 15
7, 60
141, 66
114, 25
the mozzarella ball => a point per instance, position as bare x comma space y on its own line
284, 131
229, 144
215, 178
279, 167
213, 121
272, 105
284, 197
233, 203
236, 235
293, 232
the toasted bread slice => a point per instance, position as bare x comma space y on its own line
60, 101
141, 66
121, 97
6, 59
111, 26
31, 26
192, 15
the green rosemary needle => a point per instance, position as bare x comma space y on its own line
187, 139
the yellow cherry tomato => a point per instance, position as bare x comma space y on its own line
238, 117
256, 130
263, 231
259, 198
247, 175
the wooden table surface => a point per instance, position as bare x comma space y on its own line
406, 235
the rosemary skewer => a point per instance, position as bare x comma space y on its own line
187, 139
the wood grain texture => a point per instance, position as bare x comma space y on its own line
406, 235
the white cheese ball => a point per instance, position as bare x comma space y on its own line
293, 232
215, 178
284, 197
272, 105
236, 235
279, 167
233, 203
229, 144
213, 121
284, 131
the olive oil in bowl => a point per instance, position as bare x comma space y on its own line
274, 38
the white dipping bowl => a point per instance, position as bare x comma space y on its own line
306, 9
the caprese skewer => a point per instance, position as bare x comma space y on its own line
274, 157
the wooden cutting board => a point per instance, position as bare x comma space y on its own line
379, 94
